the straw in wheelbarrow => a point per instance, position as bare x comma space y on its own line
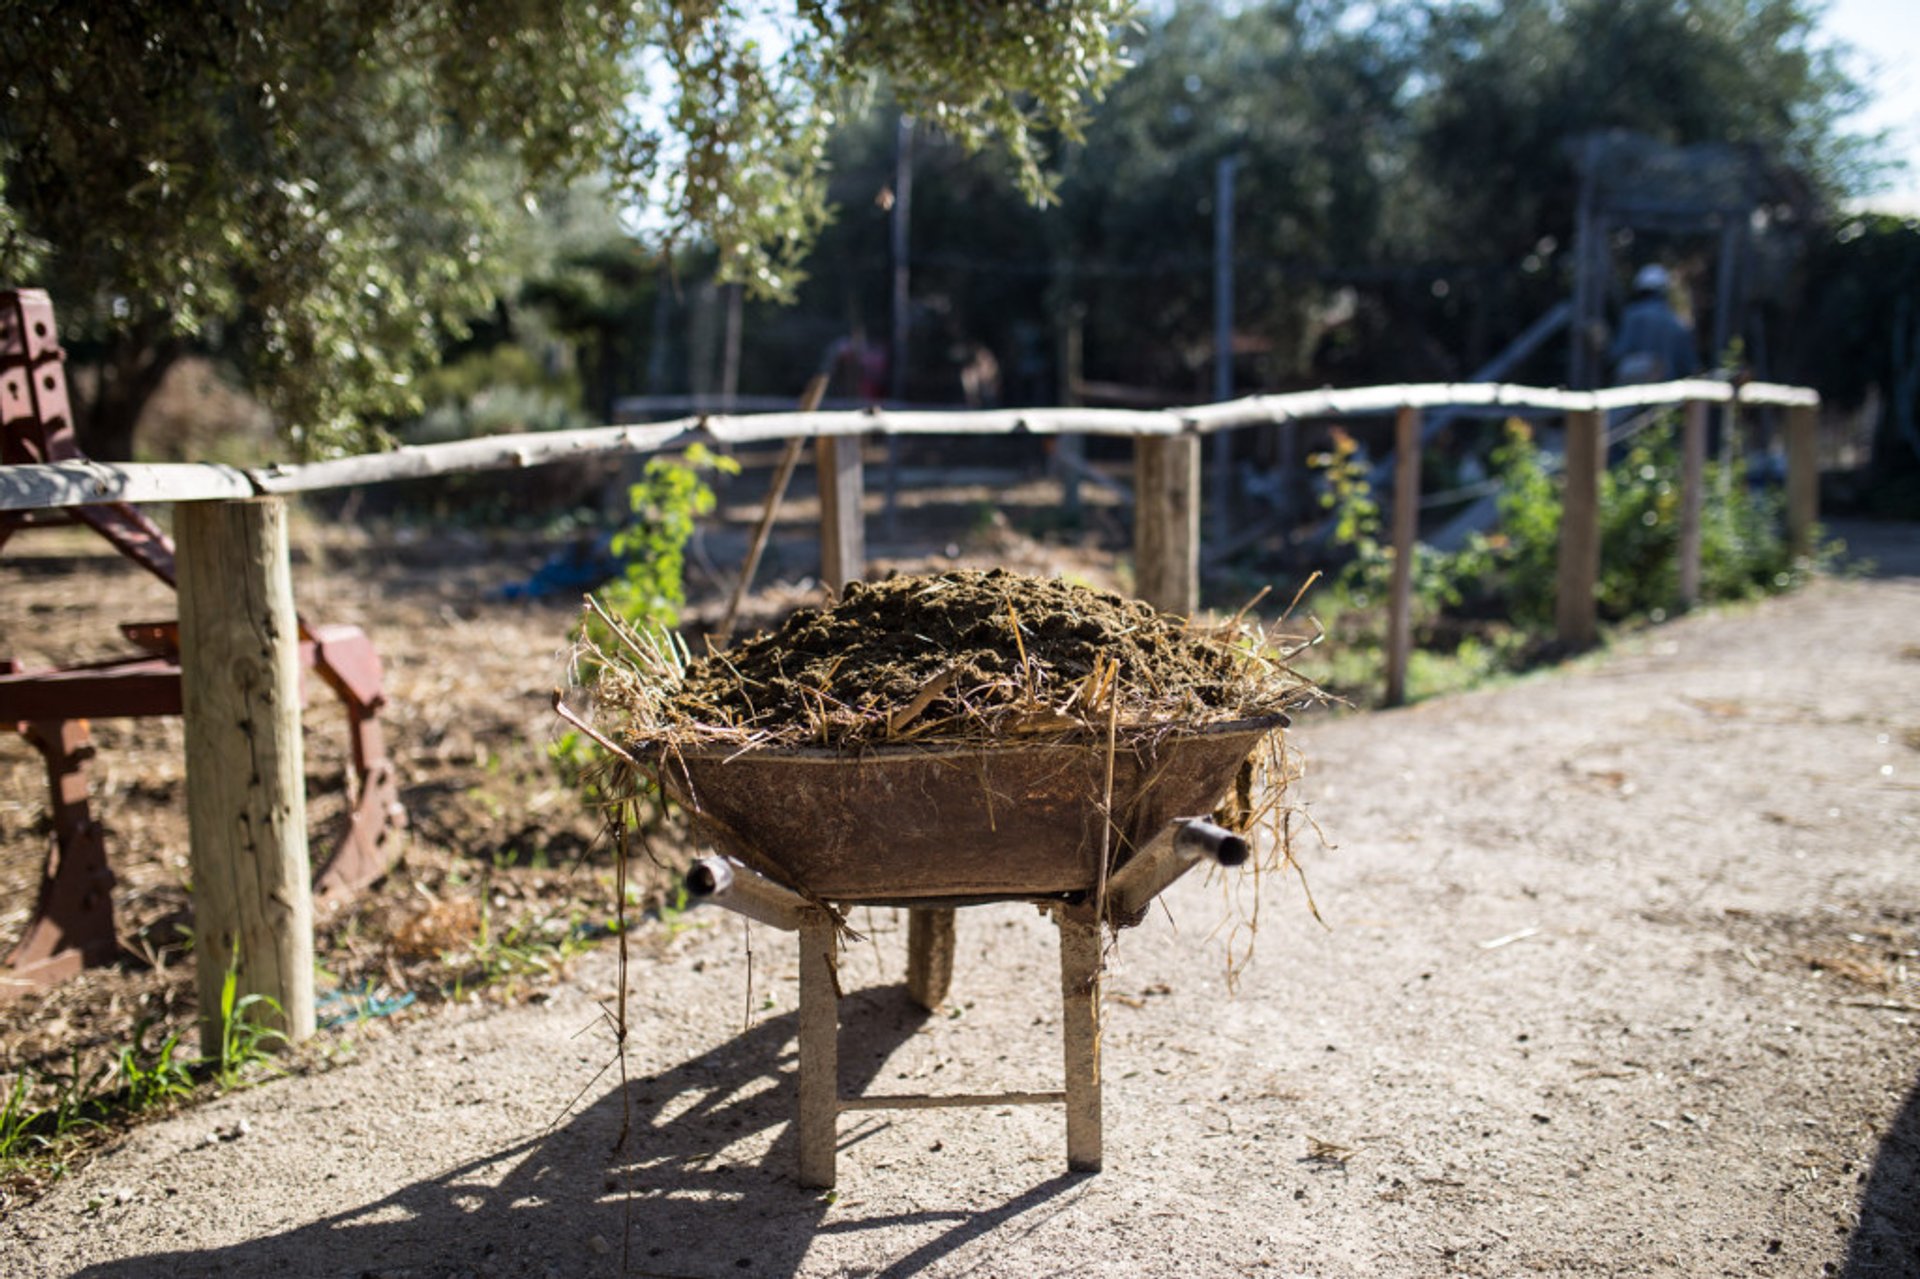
967, 655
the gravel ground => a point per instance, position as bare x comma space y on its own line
1620, 978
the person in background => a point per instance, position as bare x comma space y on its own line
1654, 344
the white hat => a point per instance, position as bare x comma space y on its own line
1651, 278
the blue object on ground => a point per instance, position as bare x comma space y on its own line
580, 567
361, 1003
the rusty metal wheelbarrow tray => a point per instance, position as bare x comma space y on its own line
924, 823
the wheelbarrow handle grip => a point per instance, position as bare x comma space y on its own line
1199, 838
725, 882
1169, 855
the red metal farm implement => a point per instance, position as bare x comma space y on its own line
72, 923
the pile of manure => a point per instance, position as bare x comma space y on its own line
962, 656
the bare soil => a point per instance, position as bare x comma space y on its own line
1619, 979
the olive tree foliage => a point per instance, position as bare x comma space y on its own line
1309, 105
1510, 82
323, 192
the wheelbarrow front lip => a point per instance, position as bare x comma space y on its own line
983, 819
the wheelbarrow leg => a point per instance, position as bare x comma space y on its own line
819, 1051
1080, 1019
929, 955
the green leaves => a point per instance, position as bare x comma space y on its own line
324, 193
246, 1041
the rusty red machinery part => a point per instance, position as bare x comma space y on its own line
72, 922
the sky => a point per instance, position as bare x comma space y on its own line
1886, 37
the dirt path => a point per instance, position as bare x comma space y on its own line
1621, 979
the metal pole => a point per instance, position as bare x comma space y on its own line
902, 316
730, 350
1070, 451
1222, 457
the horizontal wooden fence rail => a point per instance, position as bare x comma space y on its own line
1167, 497
35, 487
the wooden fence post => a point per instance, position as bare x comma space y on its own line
1803, 477
843, 536
1406, 523
1576, 608
1166, 522
1693, 468
246, 787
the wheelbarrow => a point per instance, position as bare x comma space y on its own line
802, 832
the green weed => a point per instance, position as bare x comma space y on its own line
150, 1080
245, 1040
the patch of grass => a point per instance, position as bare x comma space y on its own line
48, 1119
157, 1078
541, 947
245, 1039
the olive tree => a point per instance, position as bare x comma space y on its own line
322, 192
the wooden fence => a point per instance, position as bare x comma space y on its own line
247, 825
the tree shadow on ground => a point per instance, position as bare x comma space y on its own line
668, 1201
1886, 1243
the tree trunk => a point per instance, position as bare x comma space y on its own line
129, 373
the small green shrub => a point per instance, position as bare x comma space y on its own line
666, 506
1509, 578
152, 1079
1743, 547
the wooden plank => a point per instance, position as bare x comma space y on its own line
843, 536
1576, 610
1406, 523
1080, 1024
819, 1052
1803, 477
1182, 844
1166, 523
81, 483
36, 487
1693, 468
246, 798
941, 1101
930, 940
465, 457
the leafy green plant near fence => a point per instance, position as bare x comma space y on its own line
1743, 545
1490, 606
666, 505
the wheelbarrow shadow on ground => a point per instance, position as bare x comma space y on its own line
1886, 1242
674, 1198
